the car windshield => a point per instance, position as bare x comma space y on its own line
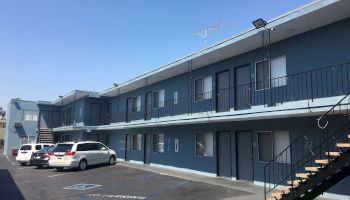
63, 148
26, 147
46, 149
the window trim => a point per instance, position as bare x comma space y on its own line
255, 76
257, 141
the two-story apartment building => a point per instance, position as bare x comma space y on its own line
21, 124
244, 109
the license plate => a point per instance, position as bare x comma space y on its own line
59, 158
38, 157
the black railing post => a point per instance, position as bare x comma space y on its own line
265, 182
312, 88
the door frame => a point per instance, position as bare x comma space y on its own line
236, 149
250, 82
216, 88
217, 151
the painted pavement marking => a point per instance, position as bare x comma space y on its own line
57, 175
81, 186
116, 196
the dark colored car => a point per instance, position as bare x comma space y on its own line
41, 158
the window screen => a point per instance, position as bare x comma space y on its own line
136, 142
262, 75
280, 143
204, 144
265, 146
278, 71
158, 143
207, 88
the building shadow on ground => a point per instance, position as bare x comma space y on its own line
8, 187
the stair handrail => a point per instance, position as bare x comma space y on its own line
339, 103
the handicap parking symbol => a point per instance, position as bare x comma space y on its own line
81, 186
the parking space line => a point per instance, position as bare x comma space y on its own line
12, 163
57, 175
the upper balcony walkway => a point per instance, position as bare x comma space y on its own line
302, 94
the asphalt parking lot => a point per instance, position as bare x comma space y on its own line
102, 182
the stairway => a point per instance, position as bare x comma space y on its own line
45, 135
317, 179
306, 169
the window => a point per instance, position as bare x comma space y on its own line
203, 88
262, 75
101, 147
265, 146
278, 71
136, 104
158, 98
280, 142
158, 143
175, 97
198, 89
81, 147
207, 87
37, 147
26, 147
30, 115
204, 144
271, 144
136, 142
63, 148
67, 138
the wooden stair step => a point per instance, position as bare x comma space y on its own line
333, 153
312, 169
344, 145
302, 175
277, 194
295, 182
322, 161
285, 189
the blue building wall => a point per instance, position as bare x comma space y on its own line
312, 50
14, 134
186, 158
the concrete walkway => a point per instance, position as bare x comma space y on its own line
258, 191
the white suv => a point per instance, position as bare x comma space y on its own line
26, 150
80, 154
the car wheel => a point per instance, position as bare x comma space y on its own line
82, 165
59, 169
39, 166
23, 163
112, 160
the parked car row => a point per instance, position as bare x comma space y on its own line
79, 155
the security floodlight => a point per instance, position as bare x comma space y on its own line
115, 84
18, 99
259, 23
60, 96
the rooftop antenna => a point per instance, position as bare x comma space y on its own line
207, 31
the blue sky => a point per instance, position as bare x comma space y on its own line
51, 47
